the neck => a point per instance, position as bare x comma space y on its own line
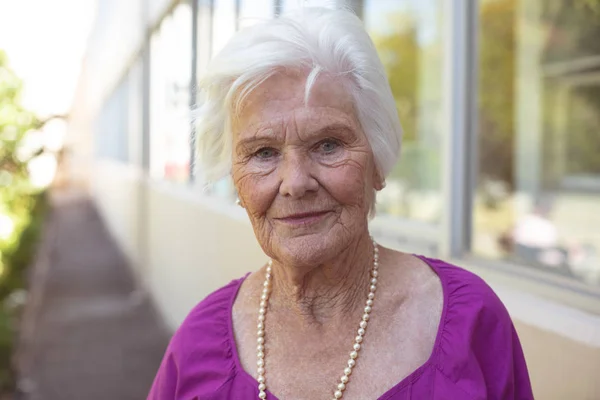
322, 293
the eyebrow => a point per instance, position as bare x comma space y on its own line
267, 136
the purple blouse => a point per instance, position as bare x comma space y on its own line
476, 355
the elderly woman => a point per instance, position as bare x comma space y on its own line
299, 111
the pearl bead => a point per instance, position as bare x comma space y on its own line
262, 311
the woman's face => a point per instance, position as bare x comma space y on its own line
304, 173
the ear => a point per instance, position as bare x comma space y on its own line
378, 181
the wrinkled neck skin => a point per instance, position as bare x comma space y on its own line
325, 293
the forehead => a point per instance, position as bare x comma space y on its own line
282, 96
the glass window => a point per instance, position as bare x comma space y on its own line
170, 75
253, 11
407, 34
111, 128
292, 5
224, 23
214, 31
538, 186
204, 34
135, 112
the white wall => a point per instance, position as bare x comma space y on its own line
182, 245
194, 245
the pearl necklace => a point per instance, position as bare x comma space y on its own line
262, 312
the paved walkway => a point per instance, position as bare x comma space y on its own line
87, 334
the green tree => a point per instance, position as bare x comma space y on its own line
21, 209
571, 30
497, 43
403, 57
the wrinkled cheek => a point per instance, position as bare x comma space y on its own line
256, 191
348, 186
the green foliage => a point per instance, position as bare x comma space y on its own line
497, 47
403, 56
22, 210
570, 32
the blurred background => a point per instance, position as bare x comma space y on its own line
108, 238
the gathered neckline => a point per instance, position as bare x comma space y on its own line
414, 375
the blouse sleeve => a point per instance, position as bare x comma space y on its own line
499, 355
480, 352
164, 386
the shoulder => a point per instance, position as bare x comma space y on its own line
477, 346
199, 357
208, 322
471, 307
467, 294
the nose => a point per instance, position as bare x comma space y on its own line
296, 177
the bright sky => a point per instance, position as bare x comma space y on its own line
45, 41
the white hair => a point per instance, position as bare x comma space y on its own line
315, 39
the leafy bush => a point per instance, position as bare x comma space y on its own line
22, 210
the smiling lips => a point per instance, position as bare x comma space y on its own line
304, 218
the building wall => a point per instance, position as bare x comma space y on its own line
194, 245
184, 243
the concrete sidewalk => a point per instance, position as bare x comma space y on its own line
86, 332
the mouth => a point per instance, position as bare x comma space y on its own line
304, 218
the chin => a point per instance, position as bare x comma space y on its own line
307, 250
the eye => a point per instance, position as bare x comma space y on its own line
328, 146
265, 153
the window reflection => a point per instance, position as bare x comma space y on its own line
287, 6
538, 197
170, 74
224, 23
255, 11
407, 36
